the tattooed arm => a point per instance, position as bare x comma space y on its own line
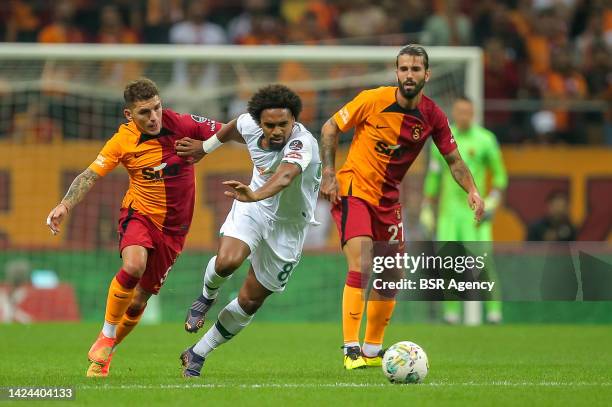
79, 188
329, 143
463, 177
77, 191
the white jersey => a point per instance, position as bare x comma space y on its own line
298, 201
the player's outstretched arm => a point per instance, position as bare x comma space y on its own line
197, 149
77, 191
463, 177
329, 144
281, 179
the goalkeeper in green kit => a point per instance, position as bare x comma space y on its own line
455, 221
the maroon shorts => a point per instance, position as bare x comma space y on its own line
356, 217
136, 230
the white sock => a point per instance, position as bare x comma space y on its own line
371, 350
349, 344
232, 319
212, 280
109, 330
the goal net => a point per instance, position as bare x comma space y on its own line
59, 103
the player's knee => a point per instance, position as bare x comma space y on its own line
358, 265
134, 267
354, 261
227, 263
249, 305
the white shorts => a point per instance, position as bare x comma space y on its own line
276, 247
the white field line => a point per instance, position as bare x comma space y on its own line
336, 385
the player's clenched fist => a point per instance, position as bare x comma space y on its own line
56, 216
329, 186
190, 148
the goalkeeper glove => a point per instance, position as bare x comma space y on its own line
491, 203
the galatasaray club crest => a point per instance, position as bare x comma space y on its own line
417, 131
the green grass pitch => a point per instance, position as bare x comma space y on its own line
300, 364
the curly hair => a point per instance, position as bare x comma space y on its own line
274, 97
138, 90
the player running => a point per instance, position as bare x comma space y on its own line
391, 124
268, 220
156, 211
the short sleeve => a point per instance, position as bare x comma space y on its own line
354, 112
298, 151
109, 157
247, 127
442, 135
244, 123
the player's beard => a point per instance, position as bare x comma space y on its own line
409, 94
276, 146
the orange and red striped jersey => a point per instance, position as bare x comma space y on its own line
162, 184
387, 140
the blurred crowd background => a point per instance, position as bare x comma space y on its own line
547, 97
547, 62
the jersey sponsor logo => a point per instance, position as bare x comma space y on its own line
394, 151
157, 174
417, 131
296, 145
293, 154
138, 155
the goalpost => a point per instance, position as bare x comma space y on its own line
459, 68
59, 103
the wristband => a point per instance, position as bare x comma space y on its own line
211, 144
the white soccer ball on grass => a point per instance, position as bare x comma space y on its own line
405, 362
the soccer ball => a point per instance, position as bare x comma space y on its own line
405, 362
